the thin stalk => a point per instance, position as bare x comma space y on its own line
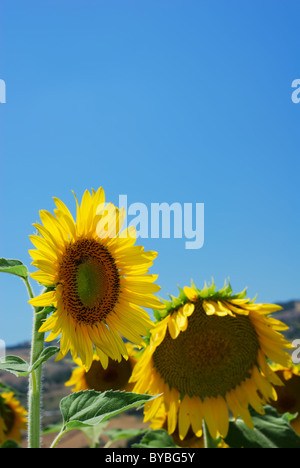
58, 437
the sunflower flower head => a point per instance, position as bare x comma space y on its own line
288, 394
13, 418
208, 355
115, 377
96, 278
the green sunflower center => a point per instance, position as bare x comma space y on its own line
90, 281
115, 377
8, 416
210, 358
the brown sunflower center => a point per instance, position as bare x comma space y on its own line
288, 396
211, 357
115, 377
90, 281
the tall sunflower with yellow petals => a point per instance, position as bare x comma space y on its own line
288, 400
115, 377
13, 418
207, 355
97, 280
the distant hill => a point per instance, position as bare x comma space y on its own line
291, 316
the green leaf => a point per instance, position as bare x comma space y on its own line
88, 407
116, 434
51, 429
4, 388
17, 366
93, 433
46, 311
10, 444
156, 439
14, 267
46, 354
271, 430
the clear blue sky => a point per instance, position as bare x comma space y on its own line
165, 101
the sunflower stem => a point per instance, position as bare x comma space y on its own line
28, 286
35, 378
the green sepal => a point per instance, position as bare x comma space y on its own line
208, 292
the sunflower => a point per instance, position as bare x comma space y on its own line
96, 279
288, 400
12, 418
114, 377
160, 421
206, 356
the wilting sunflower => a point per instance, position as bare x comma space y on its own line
288, 394
114, 377
207, 355
12, 418
96, 278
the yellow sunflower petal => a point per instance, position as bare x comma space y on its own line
191, 294
45, 299
184, 417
